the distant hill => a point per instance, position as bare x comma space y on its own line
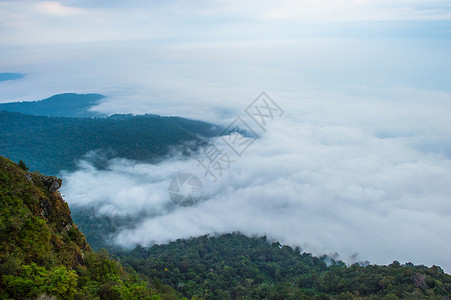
52, 144
11, 76
61, 105
43, 255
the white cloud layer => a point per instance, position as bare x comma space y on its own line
28, 22
339, 174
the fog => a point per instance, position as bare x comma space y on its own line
351, 183
358, 163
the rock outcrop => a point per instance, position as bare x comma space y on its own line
51, 182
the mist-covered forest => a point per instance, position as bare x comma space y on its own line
227, 266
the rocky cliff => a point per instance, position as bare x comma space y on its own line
43, 255
35, 220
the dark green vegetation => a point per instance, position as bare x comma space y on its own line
238, 267
10, 76
42, 252
51, 144
62, 105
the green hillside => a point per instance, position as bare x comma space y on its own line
61, 105
52, 144
43, 254
233, 266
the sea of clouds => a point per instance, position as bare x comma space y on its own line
344, 174
360, 161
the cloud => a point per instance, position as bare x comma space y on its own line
214, 81
67, 22
358, 10
326, 177
54, 23
305, 10
56, 8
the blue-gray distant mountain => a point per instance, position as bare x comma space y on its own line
11, 76
61, 105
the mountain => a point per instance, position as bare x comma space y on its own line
11, 76
61, 105
233, 266
43, 255
52, 144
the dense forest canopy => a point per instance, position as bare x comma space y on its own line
233, 266
52, 144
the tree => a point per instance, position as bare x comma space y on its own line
23, 166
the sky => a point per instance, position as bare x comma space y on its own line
359, 162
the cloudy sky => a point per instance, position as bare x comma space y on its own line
359, 162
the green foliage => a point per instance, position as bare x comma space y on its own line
43, 253
51, 144
34, 280
238, 267
22, 165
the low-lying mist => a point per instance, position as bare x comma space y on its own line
334, 174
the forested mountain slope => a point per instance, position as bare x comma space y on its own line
43, 254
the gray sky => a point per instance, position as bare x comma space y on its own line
360, 161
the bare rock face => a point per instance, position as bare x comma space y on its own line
53, 208
51, 182
46, 209
29, 177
